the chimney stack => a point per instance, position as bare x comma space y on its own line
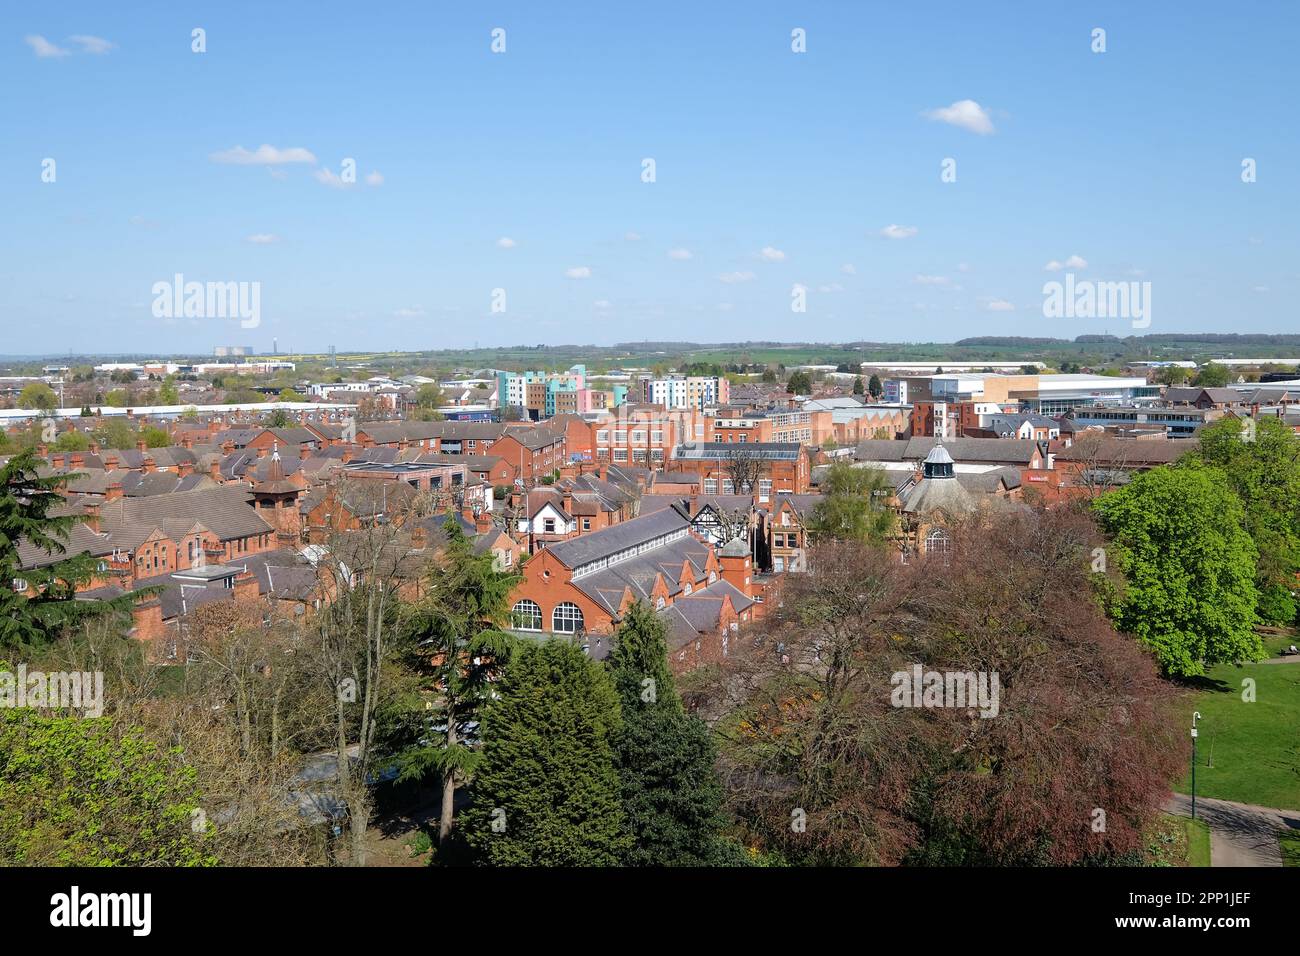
113, 492
92, 516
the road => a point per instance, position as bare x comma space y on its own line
1241, 834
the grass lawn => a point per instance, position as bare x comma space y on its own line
1290, 841
1198, 842
1248, 752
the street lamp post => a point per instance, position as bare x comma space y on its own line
1196, 715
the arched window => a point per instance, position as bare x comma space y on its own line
526, 615
938, 541
566, 618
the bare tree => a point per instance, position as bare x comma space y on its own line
744, 467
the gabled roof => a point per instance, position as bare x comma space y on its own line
626, 534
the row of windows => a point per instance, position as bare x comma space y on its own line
526, 615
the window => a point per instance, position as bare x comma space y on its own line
548, 525
527, 616
566, 618
586, 524
938, 541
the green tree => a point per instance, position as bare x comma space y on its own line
461, 648
1261, 461
1173, 375
35, 614
38, 395
874, 387
858, 387
853, 506
167, 392
1213, 375
799, 384
1176, 532
664, 756
547, 793
117, 398
72, 440
73, 792
155, 437
115, 433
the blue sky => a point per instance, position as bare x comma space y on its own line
772, 169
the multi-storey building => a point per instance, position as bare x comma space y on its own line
680, 392
544, 394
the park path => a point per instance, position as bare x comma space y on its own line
1241, 834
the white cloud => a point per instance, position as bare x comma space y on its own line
830, 287
681, 255
733, 277
43, 48
603, 304
849, 269
262, 238
327, 177
505, 242
374, 178
264, 155
1000, 305
932, 280
632, 236
725, 306
769, 254
1073, 262
412, 313
895, 231
578, 272
91, 44
966, 114
963, 267
1261, 288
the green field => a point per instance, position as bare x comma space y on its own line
1248, 752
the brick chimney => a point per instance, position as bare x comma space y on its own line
304, 452
187, 442
141, 446
43, 451
91, 520
736, 566
184, 468
261, 451
113, 492
347, 454
94, 448
246, 589
214, 469
110, 461
227, 447
76, 460
148, 466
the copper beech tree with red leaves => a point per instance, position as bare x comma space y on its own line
824, 769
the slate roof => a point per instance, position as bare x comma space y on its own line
626, 534
974, 450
